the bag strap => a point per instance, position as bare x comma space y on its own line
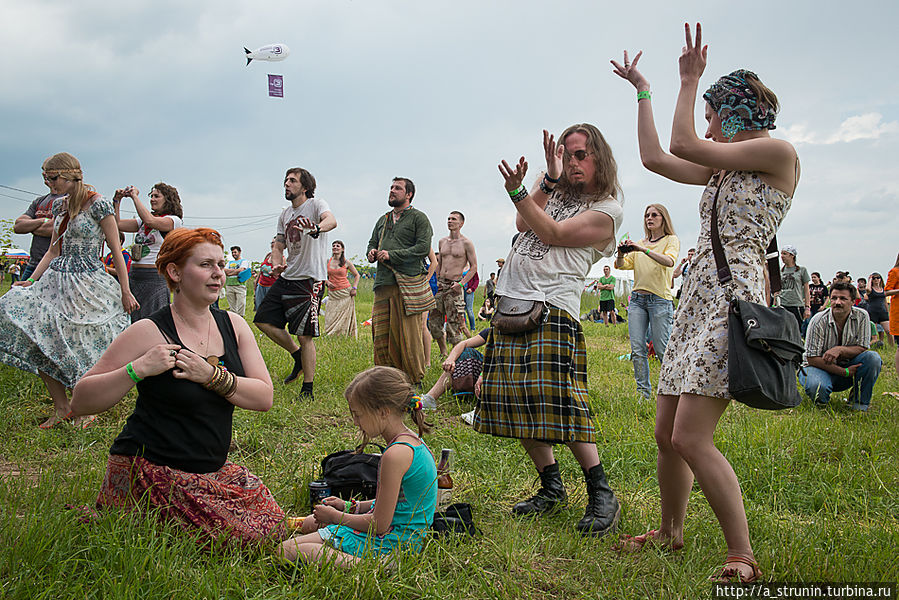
773, 255
384, 229
722, 268
381, 240
361, 447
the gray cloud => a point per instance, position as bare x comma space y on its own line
148, 91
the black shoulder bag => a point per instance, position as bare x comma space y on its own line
764, 349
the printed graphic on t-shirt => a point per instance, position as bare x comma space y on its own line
528, 244
142, 242
294, 230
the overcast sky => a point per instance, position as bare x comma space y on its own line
145, 91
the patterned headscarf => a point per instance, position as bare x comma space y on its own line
737, 105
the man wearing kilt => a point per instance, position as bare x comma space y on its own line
535, 383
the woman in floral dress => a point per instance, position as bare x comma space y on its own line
59, 321
754, 177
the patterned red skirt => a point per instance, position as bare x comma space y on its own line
230, 504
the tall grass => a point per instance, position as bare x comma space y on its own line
820, 489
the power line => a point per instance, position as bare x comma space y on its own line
246, 217
189, 216
256, 222
14, 198
248, 230
18, 190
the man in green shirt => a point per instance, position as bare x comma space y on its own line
399, 242
607, 296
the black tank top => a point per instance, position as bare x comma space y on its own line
179, 423
877, 301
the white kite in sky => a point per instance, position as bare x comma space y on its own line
271, 53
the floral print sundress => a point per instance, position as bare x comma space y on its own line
749, 213
64, 322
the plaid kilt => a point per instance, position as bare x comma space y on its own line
535, 384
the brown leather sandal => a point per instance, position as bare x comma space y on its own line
628, 544
731, 574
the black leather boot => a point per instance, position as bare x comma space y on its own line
603, 510
550, 496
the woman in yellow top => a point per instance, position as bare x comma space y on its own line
651, 304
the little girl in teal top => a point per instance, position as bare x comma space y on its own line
403, 509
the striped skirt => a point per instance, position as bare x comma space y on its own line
535, 384
230, 504
340, 316
150, 290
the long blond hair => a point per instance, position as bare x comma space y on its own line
667, 227
67, 166
385, 387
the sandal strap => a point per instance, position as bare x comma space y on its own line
732, 571
645, 537
635, 543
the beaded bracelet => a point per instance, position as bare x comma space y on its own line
129, 368
644, 95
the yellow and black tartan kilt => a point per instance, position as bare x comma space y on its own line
535, 384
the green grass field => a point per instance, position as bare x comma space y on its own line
820, 489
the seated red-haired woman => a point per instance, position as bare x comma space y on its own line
192, 364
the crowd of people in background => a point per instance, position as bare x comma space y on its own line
148, 316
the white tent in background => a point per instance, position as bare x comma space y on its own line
624, 280
14, 253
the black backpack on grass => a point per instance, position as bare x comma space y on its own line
352, 473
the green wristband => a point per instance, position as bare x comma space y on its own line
644, 95
31, 280
847, 373
348, 506
130, 370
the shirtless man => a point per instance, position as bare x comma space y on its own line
456, 253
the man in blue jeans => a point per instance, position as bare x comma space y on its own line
836, 352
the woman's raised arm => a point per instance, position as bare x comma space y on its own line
761, 154
652, 155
